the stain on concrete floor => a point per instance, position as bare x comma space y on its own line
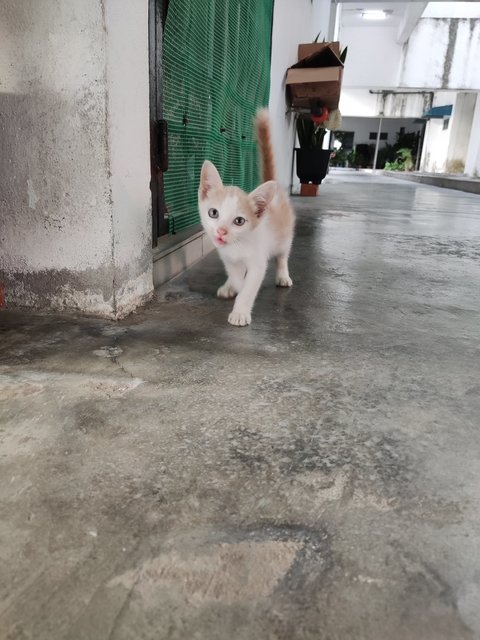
313, 476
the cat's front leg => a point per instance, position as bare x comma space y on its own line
234, 282
242, 309
282, 278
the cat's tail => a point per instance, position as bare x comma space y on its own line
264, 137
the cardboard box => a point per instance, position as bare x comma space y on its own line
307, 50
317, 76
307, 85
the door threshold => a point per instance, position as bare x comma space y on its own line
176, 253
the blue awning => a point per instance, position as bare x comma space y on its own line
438, 112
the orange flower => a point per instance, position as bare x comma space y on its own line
319, 119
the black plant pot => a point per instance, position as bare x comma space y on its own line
312, 165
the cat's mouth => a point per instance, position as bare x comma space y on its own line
220, 241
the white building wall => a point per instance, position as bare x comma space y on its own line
456, 9
373, 59
393, 103
461, 124
359, 102
435, 147
75, 182
291, 27
454, 149
472, 162
436, 141
443, 53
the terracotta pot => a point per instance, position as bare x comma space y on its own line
309, 190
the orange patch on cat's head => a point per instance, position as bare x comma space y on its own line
228, 214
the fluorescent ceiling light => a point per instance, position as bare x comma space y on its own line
374, 14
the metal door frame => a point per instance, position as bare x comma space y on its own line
157, 13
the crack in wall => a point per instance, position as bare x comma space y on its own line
108, 156
452, 40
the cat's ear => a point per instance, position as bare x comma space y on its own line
261, 197
209, 179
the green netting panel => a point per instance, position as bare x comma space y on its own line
216, 56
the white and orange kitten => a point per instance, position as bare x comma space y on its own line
248, 229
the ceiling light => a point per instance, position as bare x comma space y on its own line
374, 14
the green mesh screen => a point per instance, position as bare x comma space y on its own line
216, 56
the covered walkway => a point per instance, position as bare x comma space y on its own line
313, 476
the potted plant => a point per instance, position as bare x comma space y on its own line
312, 159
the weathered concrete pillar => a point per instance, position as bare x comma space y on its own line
461, 126
472, 162
438, 134
74, 166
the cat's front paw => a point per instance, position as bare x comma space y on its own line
283, 281
226, 291
239, 318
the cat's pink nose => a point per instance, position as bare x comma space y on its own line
222, 231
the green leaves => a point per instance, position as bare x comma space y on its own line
403, 162
310, 136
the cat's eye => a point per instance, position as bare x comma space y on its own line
239, 221
213, 213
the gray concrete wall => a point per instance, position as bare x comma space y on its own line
74, 164
126, 26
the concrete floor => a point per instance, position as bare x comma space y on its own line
313, 476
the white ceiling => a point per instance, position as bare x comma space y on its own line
352, 13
